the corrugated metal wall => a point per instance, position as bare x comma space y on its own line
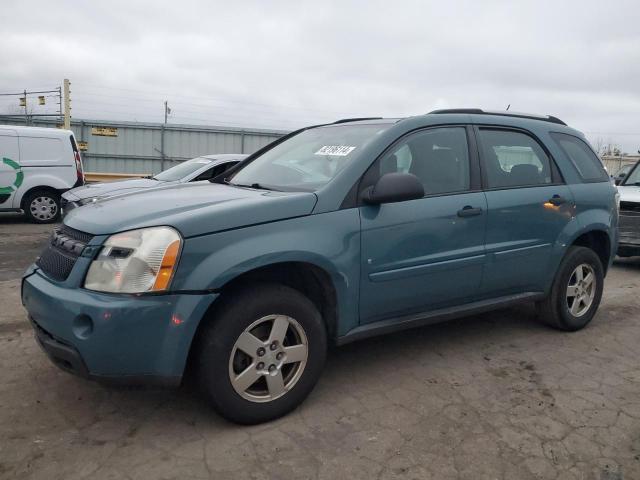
138, 147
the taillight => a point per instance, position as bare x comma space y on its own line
79, 171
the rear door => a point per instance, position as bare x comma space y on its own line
528, 207
428, 253
11, 175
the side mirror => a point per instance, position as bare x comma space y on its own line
394, 187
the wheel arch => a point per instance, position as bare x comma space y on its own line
45, 188
308, 278
598, 240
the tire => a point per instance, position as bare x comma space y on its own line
559, 309
42, 206
256, 311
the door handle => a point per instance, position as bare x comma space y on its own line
557, 200
469, 211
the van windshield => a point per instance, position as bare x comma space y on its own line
309, 160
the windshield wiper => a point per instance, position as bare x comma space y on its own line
257, 186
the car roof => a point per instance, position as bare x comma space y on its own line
473, 116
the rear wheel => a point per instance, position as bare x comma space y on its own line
262, 354
576, 291
42, 206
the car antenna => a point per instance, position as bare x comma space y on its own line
508, 106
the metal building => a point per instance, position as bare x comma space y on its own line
141, 147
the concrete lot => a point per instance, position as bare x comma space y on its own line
492, 397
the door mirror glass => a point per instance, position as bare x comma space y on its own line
394, 187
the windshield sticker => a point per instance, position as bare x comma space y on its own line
335, 150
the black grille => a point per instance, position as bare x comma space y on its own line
60, 255
630, 207
75, 234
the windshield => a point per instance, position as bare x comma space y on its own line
634, 178
181, 170
308, 160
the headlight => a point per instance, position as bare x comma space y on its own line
135, 261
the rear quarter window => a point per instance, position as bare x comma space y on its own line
582, 156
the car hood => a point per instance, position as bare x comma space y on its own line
99, 190
630, 193
193, 209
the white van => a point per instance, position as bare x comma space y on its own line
37, 165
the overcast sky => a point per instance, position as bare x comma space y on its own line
287, 64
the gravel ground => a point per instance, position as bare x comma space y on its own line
495, 396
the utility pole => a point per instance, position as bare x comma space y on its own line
26, 118
167, 111
67, 105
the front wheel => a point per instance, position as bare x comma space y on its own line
576, 291
262, 354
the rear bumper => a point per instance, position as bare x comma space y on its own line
114, 338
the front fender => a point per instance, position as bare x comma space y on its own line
330, 241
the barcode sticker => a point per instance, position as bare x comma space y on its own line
335, 150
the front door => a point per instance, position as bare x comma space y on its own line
424, 254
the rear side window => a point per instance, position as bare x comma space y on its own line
513, 159
582, 156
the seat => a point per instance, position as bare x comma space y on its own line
524, 174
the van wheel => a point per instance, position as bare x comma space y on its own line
262, 354
576, 291
42, 206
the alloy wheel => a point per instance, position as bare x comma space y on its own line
581, 290
268, 358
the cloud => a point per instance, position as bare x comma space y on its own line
286, 64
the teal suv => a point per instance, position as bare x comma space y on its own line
331, 234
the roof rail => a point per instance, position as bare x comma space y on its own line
347, 120
506, 113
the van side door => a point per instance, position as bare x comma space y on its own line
428, 253
529, 206
11, 175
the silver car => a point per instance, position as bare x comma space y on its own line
194, 170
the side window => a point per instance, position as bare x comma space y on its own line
583, 158
513, 159
214, 172
439, 157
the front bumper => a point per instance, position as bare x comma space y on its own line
629, 232
116, 338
